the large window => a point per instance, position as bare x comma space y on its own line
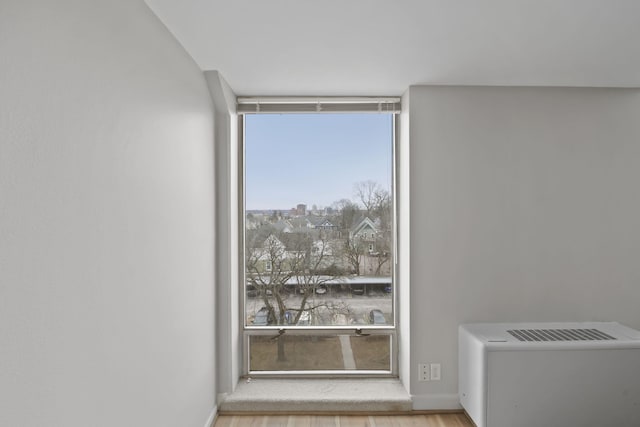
319, 242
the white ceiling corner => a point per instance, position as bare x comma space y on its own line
381, 47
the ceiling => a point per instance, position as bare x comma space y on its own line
381, 47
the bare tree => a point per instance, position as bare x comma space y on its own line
383, 248
383, 211
290, 263
353, 252
372, 196
348, 211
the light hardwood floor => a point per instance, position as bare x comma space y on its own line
432, 420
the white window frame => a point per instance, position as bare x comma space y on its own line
312, 105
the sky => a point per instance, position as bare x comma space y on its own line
314, 159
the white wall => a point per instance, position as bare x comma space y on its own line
106, 219
525, 206
229, 357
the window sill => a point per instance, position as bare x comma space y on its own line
317, 395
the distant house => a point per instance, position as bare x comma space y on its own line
365, 231
264, 251
324, 224
273, 242
284, 226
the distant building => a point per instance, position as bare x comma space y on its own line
301, 209
364, 229
323, 224
283, 226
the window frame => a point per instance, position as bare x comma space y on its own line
335, 330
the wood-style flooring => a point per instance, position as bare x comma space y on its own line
431, 420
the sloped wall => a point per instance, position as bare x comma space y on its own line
106, 219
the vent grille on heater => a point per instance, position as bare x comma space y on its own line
560, 335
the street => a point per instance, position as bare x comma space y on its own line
346, 309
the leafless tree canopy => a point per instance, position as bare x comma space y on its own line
298, 263
372, 196
290, 257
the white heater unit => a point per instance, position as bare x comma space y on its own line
550, 374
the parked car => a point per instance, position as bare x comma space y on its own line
357, 289
290, 317
262, 317
321, 290
376, 317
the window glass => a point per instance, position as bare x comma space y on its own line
320, 353
318, 239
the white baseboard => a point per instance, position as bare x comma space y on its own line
424, 402
212, 417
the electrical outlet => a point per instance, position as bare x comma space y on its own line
423, 372
435, 372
